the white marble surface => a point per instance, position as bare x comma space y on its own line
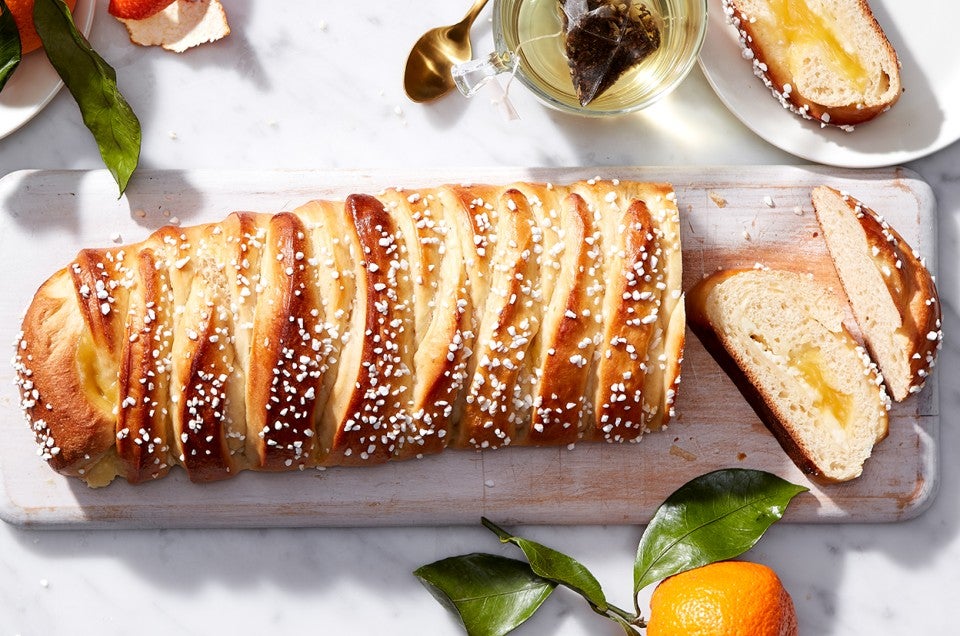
317, 85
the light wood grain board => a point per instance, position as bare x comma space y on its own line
731, 216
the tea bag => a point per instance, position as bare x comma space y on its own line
604, 39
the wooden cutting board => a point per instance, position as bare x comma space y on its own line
731, 216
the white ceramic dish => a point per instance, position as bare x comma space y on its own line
35, 82
924, 120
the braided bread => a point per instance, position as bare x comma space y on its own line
356, 332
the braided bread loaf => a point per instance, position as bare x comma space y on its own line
361, 331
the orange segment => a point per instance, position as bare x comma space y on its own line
730, 598
137, 9
22, 11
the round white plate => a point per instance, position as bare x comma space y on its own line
34, 83
924, 120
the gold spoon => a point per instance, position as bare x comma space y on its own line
427, 75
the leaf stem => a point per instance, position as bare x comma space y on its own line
624, 614
497, 530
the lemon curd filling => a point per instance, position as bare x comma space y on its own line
99, 377
808, 361
806, 29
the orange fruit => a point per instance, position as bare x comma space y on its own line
22, 11
730, 598
136, 9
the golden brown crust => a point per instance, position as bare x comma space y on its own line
507, 327
76, 433
142, 436
630, 308
912, 292
569, 332
441, 304
379, 328
372, 419
285, 370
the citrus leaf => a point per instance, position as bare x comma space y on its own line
711, 518
491, 595
9, 44
556, 566
93, 84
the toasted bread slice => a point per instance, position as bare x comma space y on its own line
893, 296
780, 337
827, 60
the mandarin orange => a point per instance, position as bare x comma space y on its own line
22, 11
730, 598
137, 9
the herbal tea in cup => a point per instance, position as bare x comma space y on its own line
624, 54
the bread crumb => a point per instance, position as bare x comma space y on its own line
718, 200
116, 238
676, 451
768, 201
489, 483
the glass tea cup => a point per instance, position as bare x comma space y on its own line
529, 43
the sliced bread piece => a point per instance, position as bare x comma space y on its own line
827, 60
893, 296
780, 337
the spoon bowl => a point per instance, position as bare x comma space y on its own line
427, 75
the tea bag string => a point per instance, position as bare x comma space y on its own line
502, 101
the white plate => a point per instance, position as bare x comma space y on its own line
34, 83
925, 119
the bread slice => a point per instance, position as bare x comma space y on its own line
827, 60
893, 296
780, 337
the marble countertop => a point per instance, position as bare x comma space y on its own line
317, 85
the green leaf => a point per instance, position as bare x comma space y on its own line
714, 517
492, 595
556, 566
93, 84
9, 44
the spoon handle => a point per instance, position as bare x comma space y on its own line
474, 11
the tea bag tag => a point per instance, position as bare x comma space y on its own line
500, 99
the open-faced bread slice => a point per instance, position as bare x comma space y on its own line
780, 337
893, 296
827, 60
